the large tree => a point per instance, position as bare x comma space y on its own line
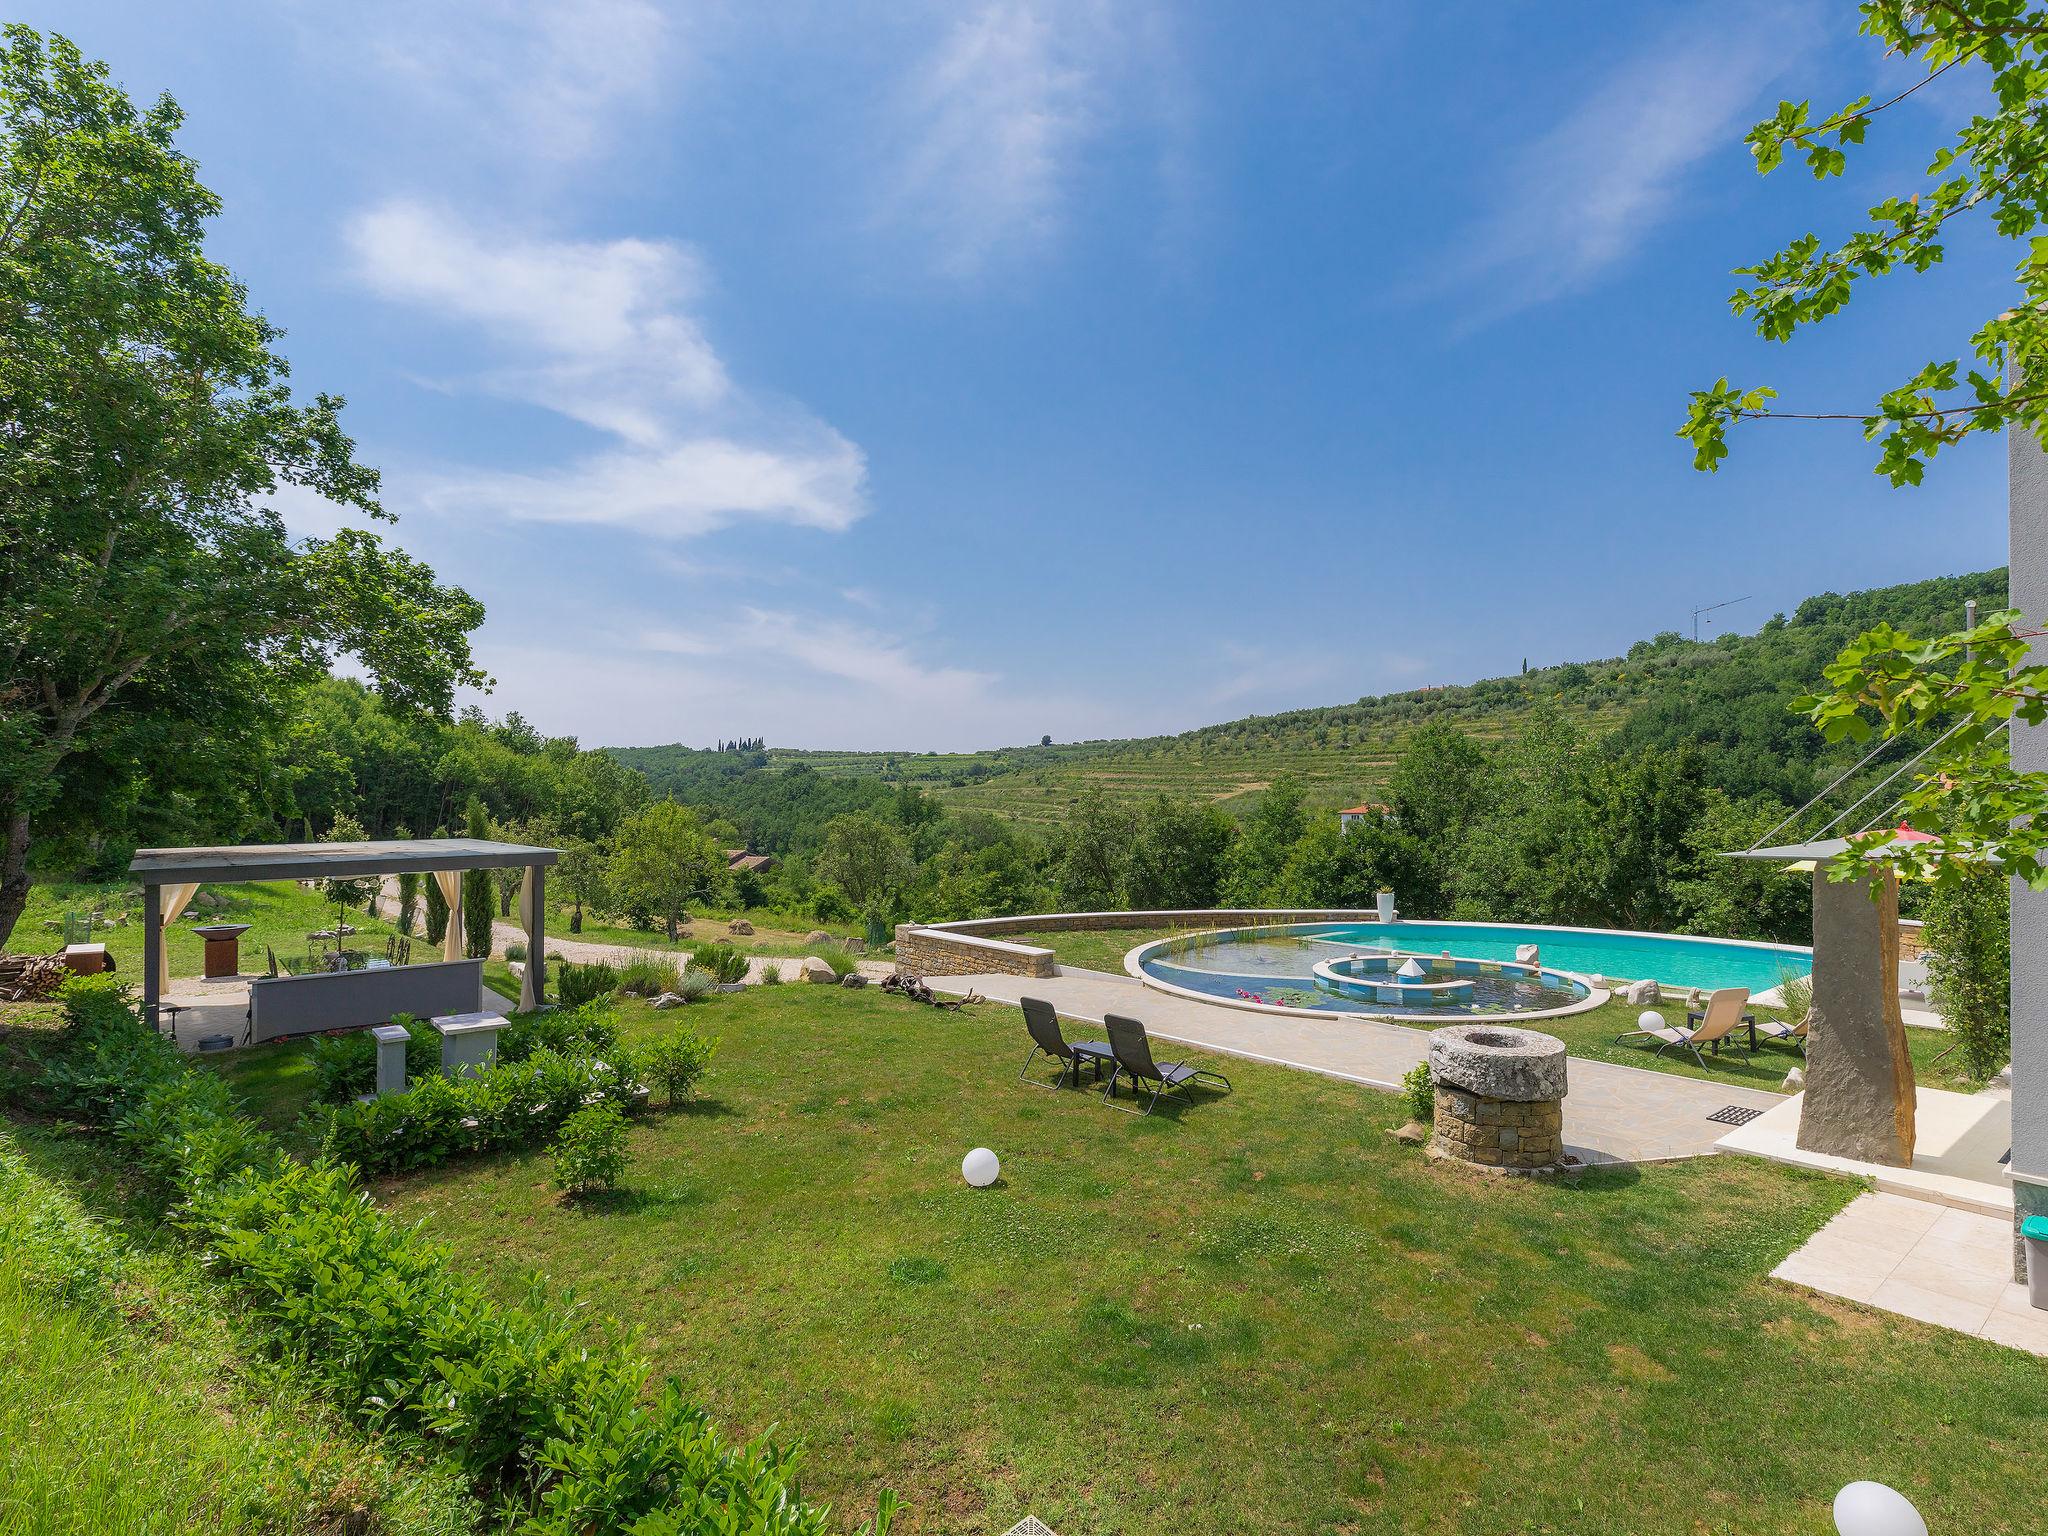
1993, 166
155, 617
662, 860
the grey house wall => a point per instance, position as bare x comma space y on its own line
2027, 472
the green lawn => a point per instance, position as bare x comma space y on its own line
279, 912
1259, 1314
1590, 1034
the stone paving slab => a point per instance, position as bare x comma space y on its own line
1945, 1266
1614, 1114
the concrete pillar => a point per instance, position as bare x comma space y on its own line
1859, 1077
392, 1040
2027, 517
469, 1042
533, 910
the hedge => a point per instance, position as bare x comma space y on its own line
564, 1437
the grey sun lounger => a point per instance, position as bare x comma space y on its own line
1044, 1025
1132, 1048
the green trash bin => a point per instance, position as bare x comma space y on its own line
2034, 1231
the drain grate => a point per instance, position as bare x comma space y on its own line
1734, 1114
1030, 1525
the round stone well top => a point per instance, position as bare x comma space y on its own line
1498, 1062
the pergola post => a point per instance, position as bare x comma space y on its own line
152, 950
533, 909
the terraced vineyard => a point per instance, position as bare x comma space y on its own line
1663, 692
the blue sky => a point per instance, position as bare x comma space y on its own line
944, 375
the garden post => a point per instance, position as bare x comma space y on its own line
152, 950
533, 909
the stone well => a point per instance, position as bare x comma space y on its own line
1499, 1098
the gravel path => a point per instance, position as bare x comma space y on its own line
583, 951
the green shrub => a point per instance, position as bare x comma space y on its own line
695, 986
586, 1030
722, 962
1419, 1087
771, 975
842, 962
1968, 935
649, 976
576, 984
345, 1066
513, 1104
676, 1061
590, 1151
515, 951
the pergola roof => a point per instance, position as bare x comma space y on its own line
320, 861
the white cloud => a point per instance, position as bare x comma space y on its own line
1584, 196
598, 331
997, 117
546, 78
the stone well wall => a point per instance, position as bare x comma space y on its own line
1498, 1133
1499, 1098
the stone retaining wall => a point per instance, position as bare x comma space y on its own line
1068, 922
949, 952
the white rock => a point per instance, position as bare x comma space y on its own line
1639, 993
1527, 954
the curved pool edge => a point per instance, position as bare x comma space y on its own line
1595, 997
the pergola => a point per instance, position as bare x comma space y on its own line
171, 876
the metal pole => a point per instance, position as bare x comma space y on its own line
152, 949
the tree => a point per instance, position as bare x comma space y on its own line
867, 859
662, 859
1270, 833
476, 890
1968, 935
155, 619
580, 875
1094, 856
437, 913
1178, 854
346, 894
1994, 166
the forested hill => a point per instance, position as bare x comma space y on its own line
1727, 698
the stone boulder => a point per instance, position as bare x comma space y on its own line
1497, 1062
817, 936
1795, 1081
667, 1000
853, 979
1640, 994
819, 971
740, 928
1528, 954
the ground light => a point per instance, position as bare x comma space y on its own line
980, 1167
1872, 1509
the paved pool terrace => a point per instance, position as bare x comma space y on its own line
1614, 1114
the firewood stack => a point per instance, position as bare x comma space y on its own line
30, 978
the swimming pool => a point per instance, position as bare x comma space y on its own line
1676, 960
1289, 965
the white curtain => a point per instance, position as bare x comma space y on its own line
450, 882
527, 920
175, 899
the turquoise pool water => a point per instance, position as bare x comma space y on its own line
1668, 958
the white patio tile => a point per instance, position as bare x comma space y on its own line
1910, 1300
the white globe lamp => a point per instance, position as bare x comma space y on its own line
1649, 1019
1872, 1509
980, 1167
